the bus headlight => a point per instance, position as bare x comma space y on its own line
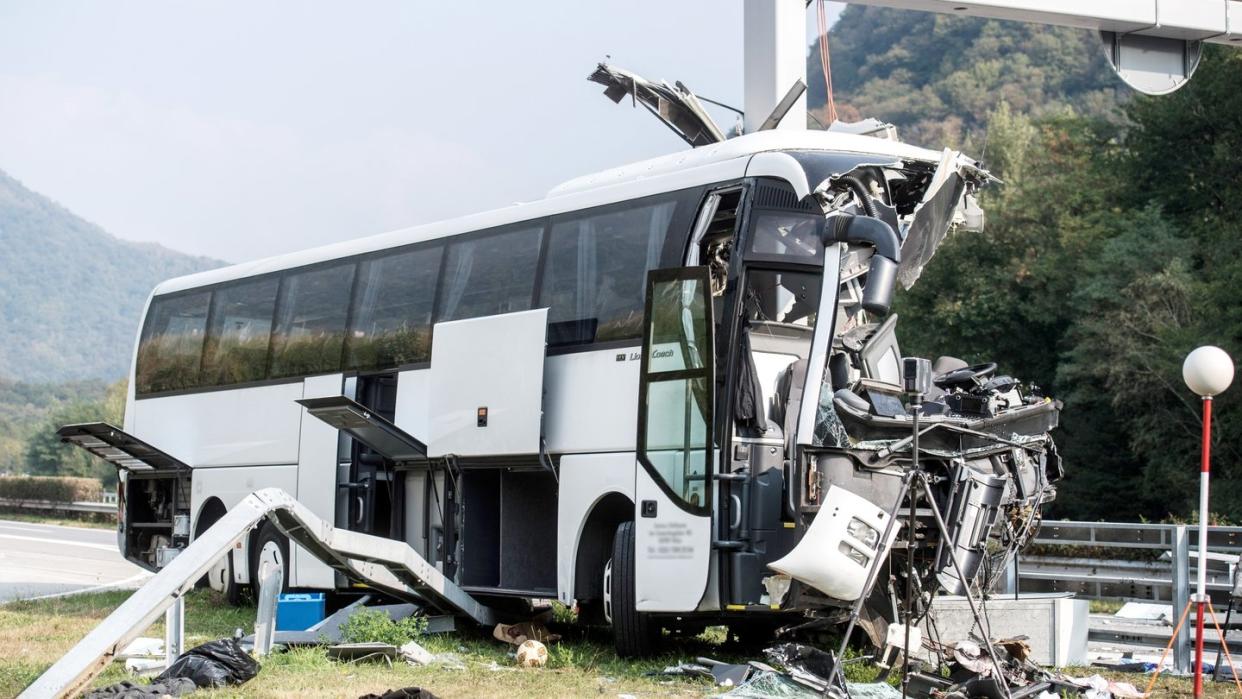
853, 554
863, 532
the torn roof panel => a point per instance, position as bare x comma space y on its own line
746, 145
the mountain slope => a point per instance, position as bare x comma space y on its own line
937, 77
70, 293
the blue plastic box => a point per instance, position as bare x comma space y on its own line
299, 611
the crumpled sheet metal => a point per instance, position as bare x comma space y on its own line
932, 218
676, 106
1097, 687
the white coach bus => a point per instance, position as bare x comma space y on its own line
636, 394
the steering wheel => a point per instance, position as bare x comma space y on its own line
965, 377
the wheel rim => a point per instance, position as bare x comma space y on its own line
271, 555
608, 591
218, 576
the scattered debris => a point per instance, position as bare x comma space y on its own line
772, 685
532, 653
145, 666
143, 647
810, 667
693, 669
128, 690
873, 690
1146, 611
404, 693
1097, 687
723, 674
353, 652
517, 634
415, 654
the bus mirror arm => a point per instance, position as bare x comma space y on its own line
882, 274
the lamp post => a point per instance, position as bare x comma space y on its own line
1208, 371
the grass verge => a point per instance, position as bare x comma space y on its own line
34, 634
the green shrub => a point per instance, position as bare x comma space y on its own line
374, 626
51, 488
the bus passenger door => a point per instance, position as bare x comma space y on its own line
673, 487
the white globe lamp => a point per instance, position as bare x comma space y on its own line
1208, 371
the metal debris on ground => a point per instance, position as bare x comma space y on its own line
517, 634
808, 666
354, 652
415, 654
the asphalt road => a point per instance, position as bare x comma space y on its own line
39, 560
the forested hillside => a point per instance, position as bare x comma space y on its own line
70, 293
939, 76
1110, 252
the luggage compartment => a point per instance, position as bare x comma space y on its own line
508, 532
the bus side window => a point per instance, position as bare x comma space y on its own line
310, 325
595, 269
240, 333
391, 316
490, 274
171, 347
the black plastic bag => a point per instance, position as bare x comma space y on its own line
795, 656
213, 664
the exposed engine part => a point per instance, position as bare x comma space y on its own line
156, 517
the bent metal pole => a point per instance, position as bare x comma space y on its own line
1201, 591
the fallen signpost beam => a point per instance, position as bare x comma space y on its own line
384, 564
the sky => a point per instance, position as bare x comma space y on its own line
240, 130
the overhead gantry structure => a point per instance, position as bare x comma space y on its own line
1154, 45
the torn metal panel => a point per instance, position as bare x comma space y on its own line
676, 106
932, 218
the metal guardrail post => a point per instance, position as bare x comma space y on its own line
1181, 595
174, 631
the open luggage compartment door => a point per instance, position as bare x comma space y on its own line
356, 420
119, 448
486, 396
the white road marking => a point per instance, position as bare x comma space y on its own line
96, 588
63, 542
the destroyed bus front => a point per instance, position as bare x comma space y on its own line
820, 438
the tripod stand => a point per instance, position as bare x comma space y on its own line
1207, 604
916, 483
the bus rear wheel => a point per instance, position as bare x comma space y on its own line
634, 634
219, 576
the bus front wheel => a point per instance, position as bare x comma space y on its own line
271, 548
634, 634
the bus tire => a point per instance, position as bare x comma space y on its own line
220, 576
272, 546
633, 632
